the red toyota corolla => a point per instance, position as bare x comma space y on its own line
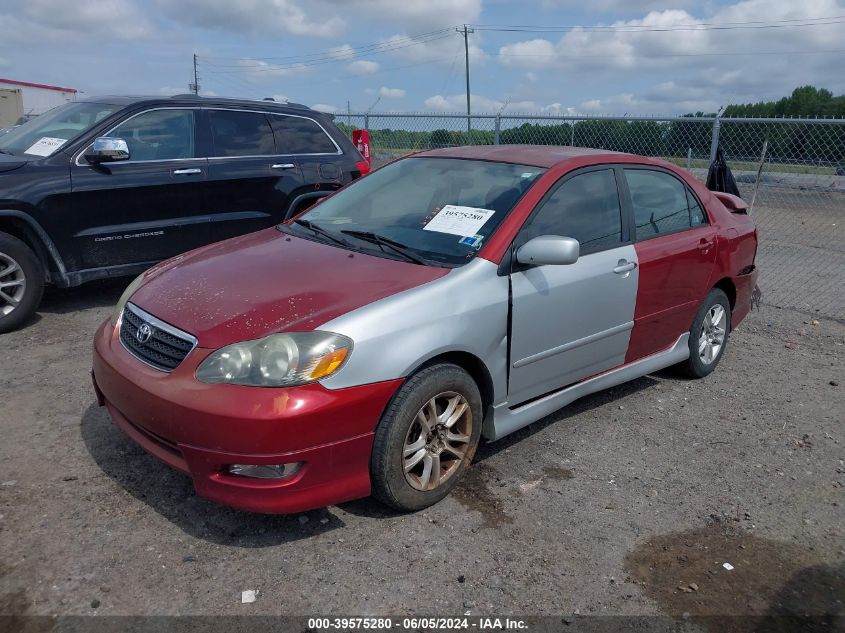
366, 346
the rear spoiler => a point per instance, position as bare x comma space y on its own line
734, 204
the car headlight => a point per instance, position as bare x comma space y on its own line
278, 360
124, 298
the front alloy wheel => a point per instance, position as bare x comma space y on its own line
21, 282
437, 441
12, 284
426, 438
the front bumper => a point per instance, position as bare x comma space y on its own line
200, 429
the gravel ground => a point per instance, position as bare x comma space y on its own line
627, 502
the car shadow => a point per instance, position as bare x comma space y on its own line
95, 294
566, 414
370, 508
171, 494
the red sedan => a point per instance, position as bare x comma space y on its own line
366, 346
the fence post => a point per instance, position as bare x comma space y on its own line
497, 129
367, 121
717, 125
572, 134
689, 158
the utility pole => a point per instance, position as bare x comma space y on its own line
466, 31
195, 87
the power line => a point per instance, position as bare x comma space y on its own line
632, 28
354, 49
575, 58
260, 65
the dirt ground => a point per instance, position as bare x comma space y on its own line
627, 502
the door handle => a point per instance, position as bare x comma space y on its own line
282, 166
704, 245
624, 266
187, 171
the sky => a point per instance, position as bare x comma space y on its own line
405, 55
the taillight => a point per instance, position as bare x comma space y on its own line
363, 166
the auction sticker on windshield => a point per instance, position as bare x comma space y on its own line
45, 146
458, 220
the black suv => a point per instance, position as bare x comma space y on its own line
107, 187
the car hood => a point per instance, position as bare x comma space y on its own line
251, 286
8, 163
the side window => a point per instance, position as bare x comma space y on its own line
585, 207
241, 133
696, 214
158, 135
297, 135
659, 201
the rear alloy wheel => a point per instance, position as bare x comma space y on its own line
426, 438
21, 282
708, 335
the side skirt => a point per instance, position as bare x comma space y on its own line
504, 420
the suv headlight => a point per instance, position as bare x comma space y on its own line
124, 298
278, 360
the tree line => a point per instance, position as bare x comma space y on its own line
787, 142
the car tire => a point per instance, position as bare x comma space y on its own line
21, 282
708, 335
426, 438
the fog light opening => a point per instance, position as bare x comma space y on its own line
264, 471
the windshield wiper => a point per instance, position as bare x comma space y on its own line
382, 241
5, 151
317, 229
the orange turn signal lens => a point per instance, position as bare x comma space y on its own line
329, 363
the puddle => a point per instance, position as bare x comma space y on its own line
773, 586
557, 473
473, 493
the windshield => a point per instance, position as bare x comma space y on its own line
440, 210
45, 134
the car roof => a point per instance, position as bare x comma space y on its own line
535, 155
196, 100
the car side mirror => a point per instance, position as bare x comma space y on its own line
107, 150
549, 250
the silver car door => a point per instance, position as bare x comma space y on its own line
574, 321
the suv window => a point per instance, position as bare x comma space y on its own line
659, 201
158, 135
241, 133
298, 135
585, 207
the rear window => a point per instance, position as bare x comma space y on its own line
241, 133
298, 135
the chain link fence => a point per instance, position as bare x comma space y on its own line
792, 169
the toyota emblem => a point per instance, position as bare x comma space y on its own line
144, 333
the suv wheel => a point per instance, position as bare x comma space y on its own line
427, 438
21, 282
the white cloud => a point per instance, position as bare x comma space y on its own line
259, 70
391, 93
46, 21
686, 75
266, 17
325, 107
363, 67
485, 105
414, 15
618, 6
447, 50
588, 50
